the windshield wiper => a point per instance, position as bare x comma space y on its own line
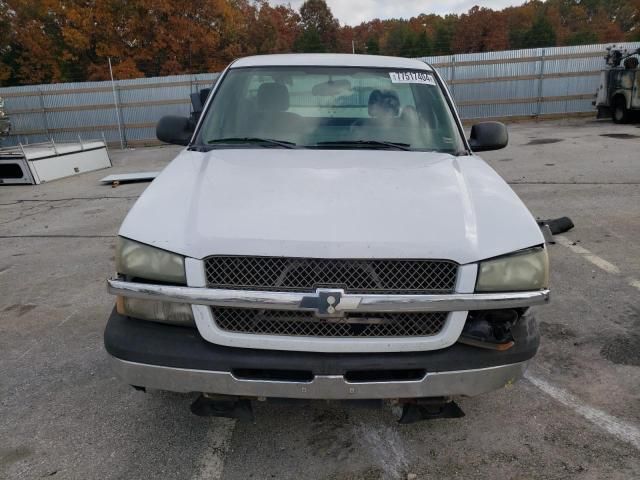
365, 143
250, 140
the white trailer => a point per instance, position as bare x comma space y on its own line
44, 162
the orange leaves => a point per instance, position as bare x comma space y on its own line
71, 40
481, 30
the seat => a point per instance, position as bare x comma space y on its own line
409, 116
272, 120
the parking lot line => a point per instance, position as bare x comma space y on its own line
215, 449
595, 259
385, 446
634, 283
620, 429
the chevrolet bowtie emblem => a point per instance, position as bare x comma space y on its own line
329, 302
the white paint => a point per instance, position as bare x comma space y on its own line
591, 257
195, 272
634, 283
37, 151
385, 447
69, 164
215, 448
331, 204
330, 60
421, 78
130, 177
44, 162
66, 319
620, 429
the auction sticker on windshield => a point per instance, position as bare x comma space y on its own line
412, 77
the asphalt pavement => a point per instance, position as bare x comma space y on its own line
63, 415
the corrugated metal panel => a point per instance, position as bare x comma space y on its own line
475, 86
497, 90
151, 113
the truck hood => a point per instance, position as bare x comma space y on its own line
331, 204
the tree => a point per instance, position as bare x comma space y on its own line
540, 35
583, 38
274, 29
423, 45
71, 40
310, 41
7, 51
409, 45
444, 32
373, 47
480, 30
519, 20
396, 39
38, 46
319, 28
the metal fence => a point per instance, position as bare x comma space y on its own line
64, 111
533, 83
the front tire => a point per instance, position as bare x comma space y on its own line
620, 113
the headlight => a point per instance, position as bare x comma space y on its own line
142, 261
164, 312
527, 270
149, 263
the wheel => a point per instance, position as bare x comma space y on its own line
620, 113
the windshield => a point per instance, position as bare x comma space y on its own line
330, 107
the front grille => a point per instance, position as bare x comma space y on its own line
306, 324
376, 276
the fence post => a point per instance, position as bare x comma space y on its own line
453, 76
540, 80
121, 118
115, 102
44, 114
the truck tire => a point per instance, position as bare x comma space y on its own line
619, 113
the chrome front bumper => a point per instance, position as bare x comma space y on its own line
453, 302
327, 387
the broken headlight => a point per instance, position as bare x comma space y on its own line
156, 311
142, 261
525, 270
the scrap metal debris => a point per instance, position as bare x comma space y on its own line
555, 226
117, 179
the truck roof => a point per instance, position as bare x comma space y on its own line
330, 60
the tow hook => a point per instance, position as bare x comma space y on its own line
217, 406
429, 409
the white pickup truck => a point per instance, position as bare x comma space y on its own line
327, 233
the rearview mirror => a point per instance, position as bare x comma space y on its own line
487, 136
332, 88
175, 130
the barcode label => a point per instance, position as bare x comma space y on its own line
412, 77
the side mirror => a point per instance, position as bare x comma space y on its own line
487, 136
176, 130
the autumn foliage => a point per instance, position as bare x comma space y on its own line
71, 40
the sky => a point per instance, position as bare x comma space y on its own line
353, 12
